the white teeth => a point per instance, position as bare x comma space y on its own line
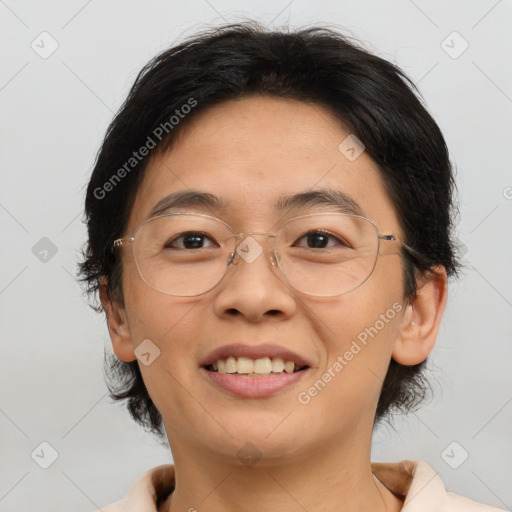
289, 366
244, 365
230, 365
260, 366
263, 365
277, 365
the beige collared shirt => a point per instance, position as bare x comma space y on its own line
415, 481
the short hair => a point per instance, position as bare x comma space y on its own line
372, 97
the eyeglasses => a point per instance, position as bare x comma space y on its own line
321, 254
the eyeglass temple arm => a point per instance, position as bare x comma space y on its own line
121, 241
407, 248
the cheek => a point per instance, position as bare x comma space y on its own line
172, 326
377, 302
358, 346
358, 332
170, 323
151, 314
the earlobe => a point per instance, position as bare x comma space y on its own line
117, 325
421, 320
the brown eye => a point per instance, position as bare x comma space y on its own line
320, 239
190, 240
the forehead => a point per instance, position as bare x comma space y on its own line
254, 151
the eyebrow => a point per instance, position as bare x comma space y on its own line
342, 202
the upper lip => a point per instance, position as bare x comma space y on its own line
254, 352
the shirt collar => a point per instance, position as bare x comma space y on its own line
407, 479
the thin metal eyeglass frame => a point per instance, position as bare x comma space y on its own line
119, 242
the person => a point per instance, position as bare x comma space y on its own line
270, 236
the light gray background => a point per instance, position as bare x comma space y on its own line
54, 113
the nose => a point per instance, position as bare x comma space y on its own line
253, 286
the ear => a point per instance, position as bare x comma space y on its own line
117, 325
421, 320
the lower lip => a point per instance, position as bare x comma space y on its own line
252, 387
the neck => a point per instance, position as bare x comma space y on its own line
336, 478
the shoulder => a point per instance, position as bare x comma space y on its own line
422, 488
153, 486
113, 507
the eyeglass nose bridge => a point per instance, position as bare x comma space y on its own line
235, 255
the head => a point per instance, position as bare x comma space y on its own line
252, 116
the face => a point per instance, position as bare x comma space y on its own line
250, 153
